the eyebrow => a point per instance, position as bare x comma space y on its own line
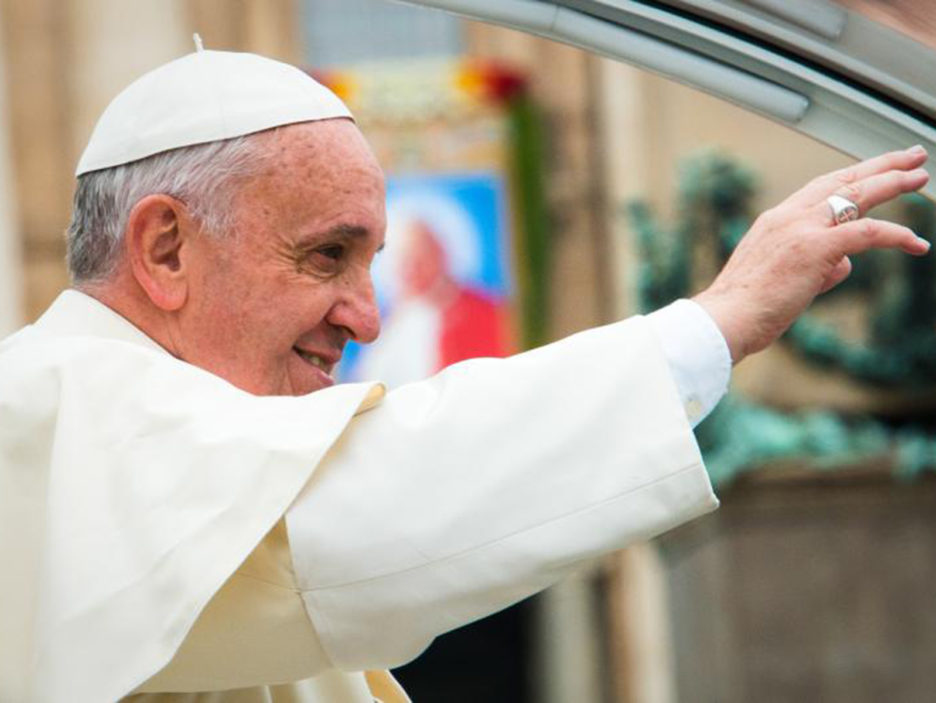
348, 231
345, 231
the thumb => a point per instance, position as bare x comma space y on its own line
841, 271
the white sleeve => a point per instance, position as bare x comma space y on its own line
462, 494
697, 354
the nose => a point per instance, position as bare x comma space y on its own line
356, 311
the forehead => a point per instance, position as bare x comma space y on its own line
322, 171
316, 178
326, 153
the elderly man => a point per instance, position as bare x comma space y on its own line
190, 510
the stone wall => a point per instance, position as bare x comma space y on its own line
803, 588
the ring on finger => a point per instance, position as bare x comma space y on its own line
843, 209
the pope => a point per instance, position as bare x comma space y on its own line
191, 509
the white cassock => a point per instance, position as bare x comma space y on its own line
143, 543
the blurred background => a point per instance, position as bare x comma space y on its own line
536, 190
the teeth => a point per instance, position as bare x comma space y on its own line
313, 359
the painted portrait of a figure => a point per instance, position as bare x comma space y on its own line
442, 282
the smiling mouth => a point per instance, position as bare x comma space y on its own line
314, 359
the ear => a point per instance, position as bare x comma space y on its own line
158, 238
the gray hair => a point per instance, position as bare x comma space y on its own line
203, 176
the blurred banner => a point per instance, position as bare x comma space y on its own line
442, 130
461, 276
442, 280
11, 303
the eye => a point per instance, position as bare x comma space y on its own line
325, 260
335, 252
328, 259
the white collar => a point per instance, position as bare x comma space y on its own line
74, 313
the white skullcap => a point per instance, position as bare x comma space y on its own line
204, 97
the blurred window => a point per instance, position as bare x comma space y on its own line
830, 72
349, 31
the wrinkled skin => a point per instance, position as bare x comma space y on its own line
293, 282
298, 274
794, 251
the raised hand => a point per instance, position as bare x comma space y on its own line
795, 251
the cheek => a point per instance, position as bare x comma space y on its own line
265, 317
239, 312
297, 308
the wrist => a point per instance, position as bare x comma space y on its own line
725, 314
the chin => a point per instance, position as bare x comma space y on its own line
319, 384
303, 378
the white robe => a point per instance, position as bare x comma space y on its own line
142, 503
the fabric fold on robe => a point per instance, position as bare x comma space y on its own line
132, 486
501, 477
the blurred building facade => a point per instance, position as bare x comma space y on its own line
613, 134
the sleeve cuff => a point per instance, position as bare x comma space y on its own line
696, 353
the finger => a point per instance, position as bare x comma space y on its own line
824, 186
876, 190
841, 271
861, 235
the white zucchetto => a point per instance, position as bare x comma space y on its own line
204, 97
